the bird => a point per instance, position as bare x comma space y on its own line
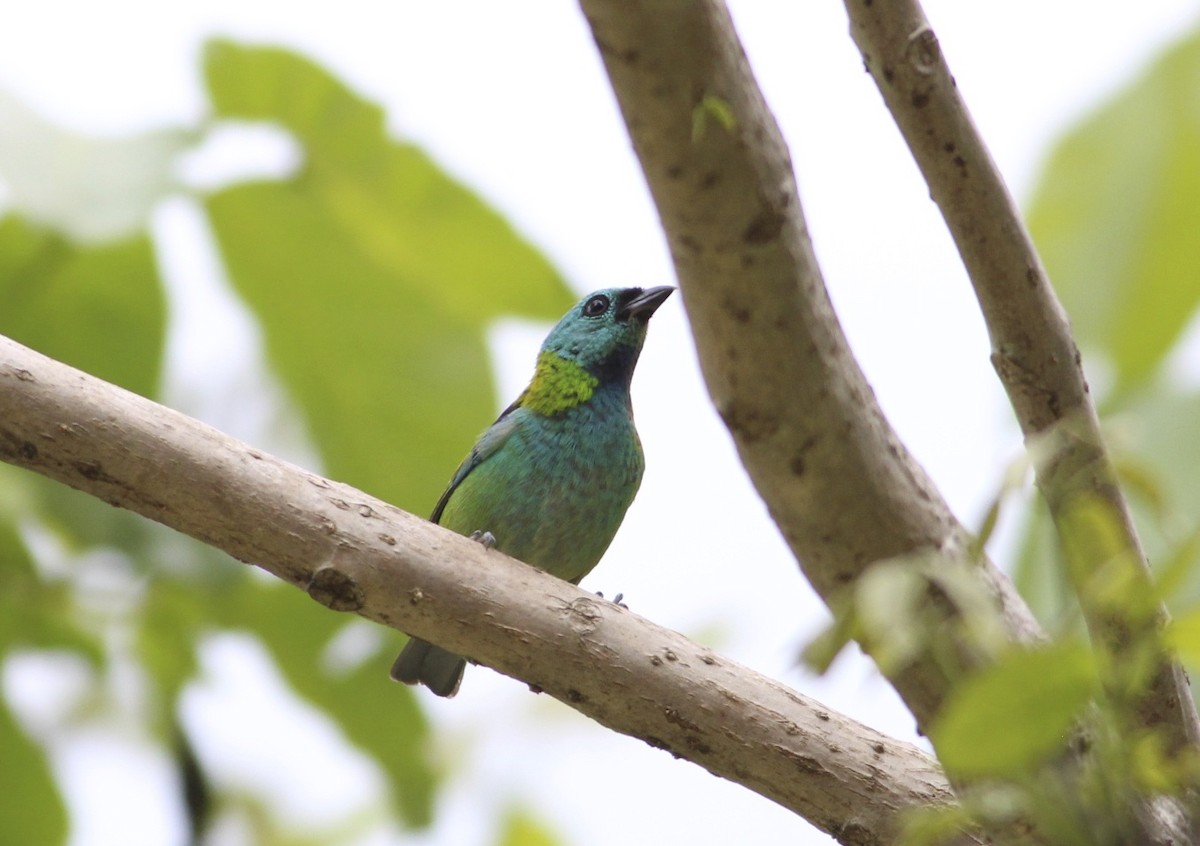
550, 481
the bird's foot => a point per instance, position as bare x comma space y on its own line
486, 538
616, 600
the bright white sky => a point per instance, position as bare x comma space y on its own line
511, 97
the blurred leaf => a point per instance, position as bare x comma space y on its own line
1183, 634
31, 808
375, 378
975, 615
173, 615
1108, 577
259, 823
1154, 768
1172, 575
820, 652
932, 825
378, 716
1009, 717
1115, 217
1140, 481
1157, 430
908, 605
437, 240
987, 526
81, 521
89, 188
1039, 573
522, 829
1154, 447
35, 612
888, 602
373, 275
99, 308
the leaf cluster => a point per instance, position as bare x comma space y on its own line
372, 276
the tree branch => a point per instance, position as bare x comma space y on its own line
841, 487
352, 552
1034, 352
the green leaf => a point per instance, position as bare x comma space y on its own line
374, 276
89, 188
1115, 217
1006, 719
1156, 431
1107, 575
31, 809
438, 241
520, 828
1153, 445
378, 716
173, 615
888, 603
99, 308
274, 84
35, 612
1184, 636
820, 652
82, 522
373, 370
934, 824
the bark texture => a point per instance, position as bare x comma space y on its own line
1033, 350
839, 484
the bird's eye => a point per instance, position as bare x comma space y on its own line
596, 306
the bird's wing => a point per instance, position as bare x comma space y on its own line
488, 443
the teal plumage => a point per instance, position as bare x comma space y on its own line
551, 479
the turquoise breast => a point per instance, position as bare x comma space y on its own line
555, 492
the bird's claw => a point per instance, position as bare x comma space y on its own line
486, 538
616, 600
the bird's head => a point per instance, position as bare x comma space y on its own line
605, 330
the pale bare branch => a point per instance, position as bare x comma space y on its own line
1033, 350
841, 487
355, 553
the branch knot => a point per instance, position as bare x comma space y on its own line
335, 589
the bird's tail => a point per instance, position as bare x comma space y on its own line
421, 662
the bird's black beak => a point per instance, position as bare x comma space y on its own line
643, 303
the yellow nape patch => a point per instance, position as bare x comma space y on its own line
557, 385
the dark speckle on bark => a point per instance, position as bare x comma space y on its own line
764, 228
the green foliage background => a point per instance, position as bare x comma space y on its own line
1116, 217
372, 276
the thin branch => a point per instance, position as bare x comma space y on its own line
1034, 352
352, 552
839, 484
